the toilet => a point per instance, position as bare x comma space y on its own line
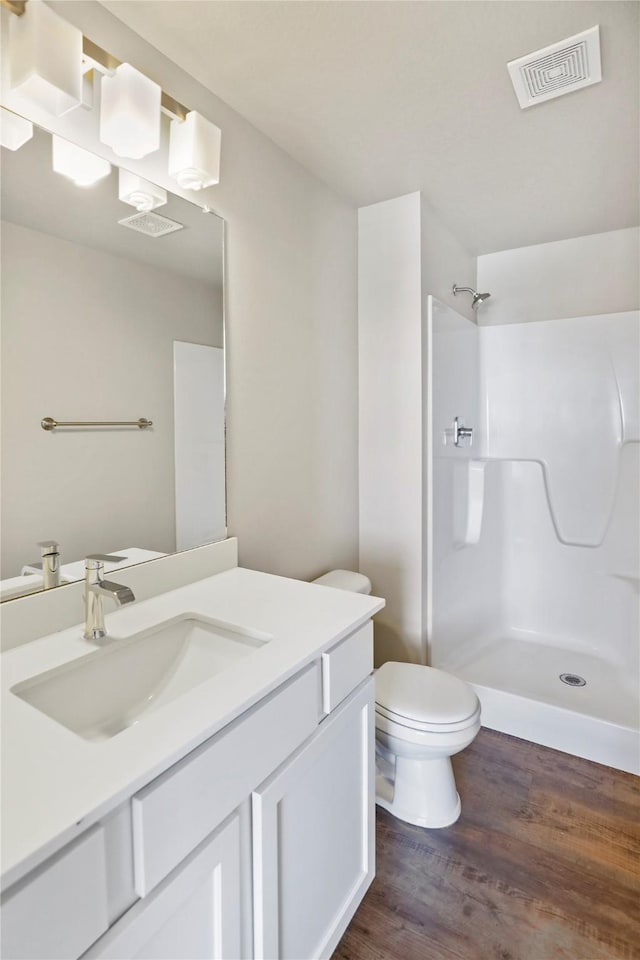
423, 717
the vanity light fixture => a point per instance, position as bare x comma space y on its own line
130, 113
78, 165
54, 67
14, 130
194, 152
139, 193
45, 59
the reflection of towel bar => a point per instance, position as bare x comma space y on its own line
48, 423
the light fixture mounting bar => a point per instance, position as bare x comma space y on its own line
15, 6
103, 60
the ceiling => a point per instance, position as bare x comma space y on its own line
383, 97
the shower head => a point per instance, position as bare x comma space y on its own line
477, 297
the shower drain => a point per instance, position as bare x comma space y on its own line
573, 679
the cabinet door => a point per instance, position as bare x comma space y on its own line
313, 824
195, 914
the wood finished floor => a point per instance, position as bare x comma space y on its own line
544, 864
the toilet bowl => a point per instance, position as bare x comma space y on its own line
423, 716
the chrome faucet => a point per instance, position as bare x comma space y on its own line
50, 560
95, 588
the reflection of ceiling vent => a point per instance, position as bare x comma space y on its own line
558, 69
151, 224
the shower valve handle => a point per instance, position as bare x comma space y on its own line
461, 433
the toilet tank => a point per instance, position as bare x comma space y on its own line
345, 580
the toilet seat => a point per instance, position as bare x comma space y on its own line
388, 717
424, 699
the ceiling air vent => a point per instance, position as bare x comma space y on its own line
151, 224
558, 69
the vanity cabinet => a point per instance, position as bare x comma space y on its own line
313, 840
194, 915
259, 843
180, 808
57, 911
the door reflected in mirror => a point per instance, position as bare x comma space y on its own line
104, 321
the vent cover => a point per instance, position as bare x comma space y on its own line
151, 224
558, 69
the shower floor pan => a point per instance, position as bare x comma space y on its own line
518, 683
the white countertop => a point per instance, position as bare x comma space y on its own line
55, 783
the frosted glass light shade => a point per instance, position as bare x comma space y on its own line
45, 59
138, 192
14, 130
76, 164
194, 152
130, 113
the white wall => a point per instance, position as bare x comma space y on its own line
291, 333
568, 278
198, 392
445, 262
391, 392
405, 252
65, 341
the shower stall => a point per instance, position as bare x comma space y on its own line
532, 503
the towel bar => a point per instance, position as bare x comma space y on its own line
48, 423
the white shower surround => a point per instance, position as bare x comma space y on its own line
511, 606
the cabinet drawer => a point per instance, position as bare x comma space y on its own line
180, 808
346, 665
61, 908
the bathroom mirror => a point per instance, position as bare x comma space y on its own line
104, 322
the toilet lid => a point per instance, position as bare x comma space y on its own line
423, 695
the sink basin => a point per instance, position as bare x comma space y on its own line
104, 693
